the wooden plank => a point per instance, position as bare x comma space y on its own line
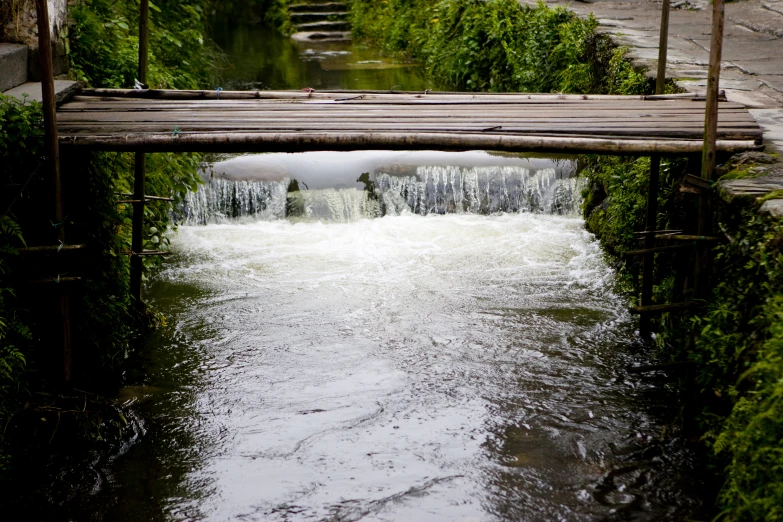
206, 94
310, 141
653, 250
370, 116
78, 101
339, 120
663, 308
641, 133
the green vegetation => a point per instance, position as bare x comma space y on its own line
103, 53
736, 340
104, 42
499, 45
19, 140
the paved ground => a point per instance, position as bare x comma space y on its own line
752, 66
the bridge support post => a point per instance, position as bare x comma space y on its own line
652, 190
140, 168
137, 237
53, 159
648, 261
703, 258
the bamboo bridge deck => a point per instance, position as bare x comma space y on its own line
296, 121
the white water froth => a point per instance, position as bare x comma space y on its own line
431, 190
367, 360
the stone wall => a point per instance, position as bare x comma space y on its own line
18, 24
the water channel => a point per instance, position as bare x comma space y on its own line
439, 339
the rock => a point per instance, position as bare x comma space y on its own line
13, 63
63, 89
750, 187
773, 207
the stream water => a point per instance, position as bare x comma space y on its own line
438, 339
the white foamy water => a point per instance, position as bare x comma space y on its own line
328, 187
450, 367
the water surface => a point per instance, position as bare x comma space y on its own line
452, 367
261, 58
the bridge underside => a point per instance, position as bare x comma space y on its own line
297, 121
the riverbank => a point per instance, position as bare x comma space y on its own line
40, 380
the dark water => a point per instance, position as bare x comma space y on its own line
263, 59
458, 358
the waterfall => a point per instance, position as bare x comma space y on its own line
428, 190
221, 199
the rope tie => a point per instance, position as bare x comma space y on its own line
218, 92
58, 225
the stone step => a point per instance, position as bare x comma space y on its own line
325, 16
312, 8
13, 65
31, 91
324, 26
322, 36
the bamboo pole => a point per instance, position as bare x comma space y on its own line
643, 251
45, 250
713, 80
663, 45
144, 24
341, 141
648, 261
710, 147
137, 234
663, 308
453, 97
53, 156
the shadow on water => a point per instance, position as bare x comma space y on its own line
260, 58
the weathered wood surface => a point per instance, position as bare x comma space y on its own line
291, 121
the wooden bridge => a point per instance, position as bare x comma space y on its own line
295, 121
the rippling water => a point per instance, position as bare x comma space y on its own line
451, 367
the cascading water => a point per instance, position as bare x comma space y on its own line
427, 190
221, 199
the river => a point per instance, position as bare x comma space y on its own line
440, 340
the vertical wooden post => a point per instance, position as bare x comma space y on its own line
663, 46
651, 221
708, 159
137, 237
137, 234
52, 148
144, 29
648, 261
711, 112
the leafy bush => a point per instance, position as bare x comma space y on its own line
104, 49
736, 341
499, 45
20, 139
104, 43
